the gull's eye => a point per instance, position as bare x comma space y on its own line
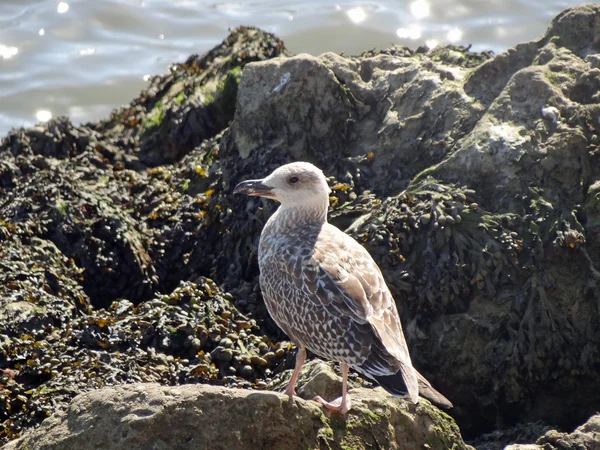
294, 180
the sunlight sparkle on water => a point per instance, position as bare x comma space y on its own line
43, 115
357, 15
412, 32
455, 35
42, 32
420, 9
7, 52
62, 7
87, 51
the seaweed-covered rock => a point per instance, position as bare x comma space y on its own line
193, 102
193, 335
95, 285
518, 435
585, 437
141, 416
38, 286
65, 196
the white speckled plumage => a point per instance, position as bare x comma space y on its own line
324, 289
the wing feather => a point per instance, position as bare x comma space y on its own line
348, 269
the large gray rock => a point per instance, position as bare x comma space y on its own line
150, 416
535, 131
396, 113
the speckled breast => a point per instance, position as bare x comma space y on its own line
303, 318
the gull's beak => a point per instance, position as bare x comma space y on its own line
255, 188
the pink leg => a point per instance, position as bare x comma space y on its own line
300, 358
341, 404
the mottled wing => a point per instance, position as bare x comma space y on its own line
354, 286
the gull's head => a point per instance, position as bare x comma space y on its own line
295, 184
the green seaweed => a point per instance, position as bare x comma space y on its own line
155, 117
61, 206
180, 98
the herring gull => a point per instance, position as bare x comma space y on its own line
324, 290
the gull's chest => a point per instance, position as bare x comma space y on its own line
282, 263
284, 247
298, 294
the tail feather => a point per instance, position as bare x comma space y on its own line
426, 390
395, 385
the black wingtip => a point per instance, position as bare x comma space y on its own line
427, 391
395, 385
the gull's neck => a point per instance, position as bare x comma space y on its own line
288, 217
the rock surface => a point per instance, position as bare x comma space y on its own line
585, 437
143, 416
473, 179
